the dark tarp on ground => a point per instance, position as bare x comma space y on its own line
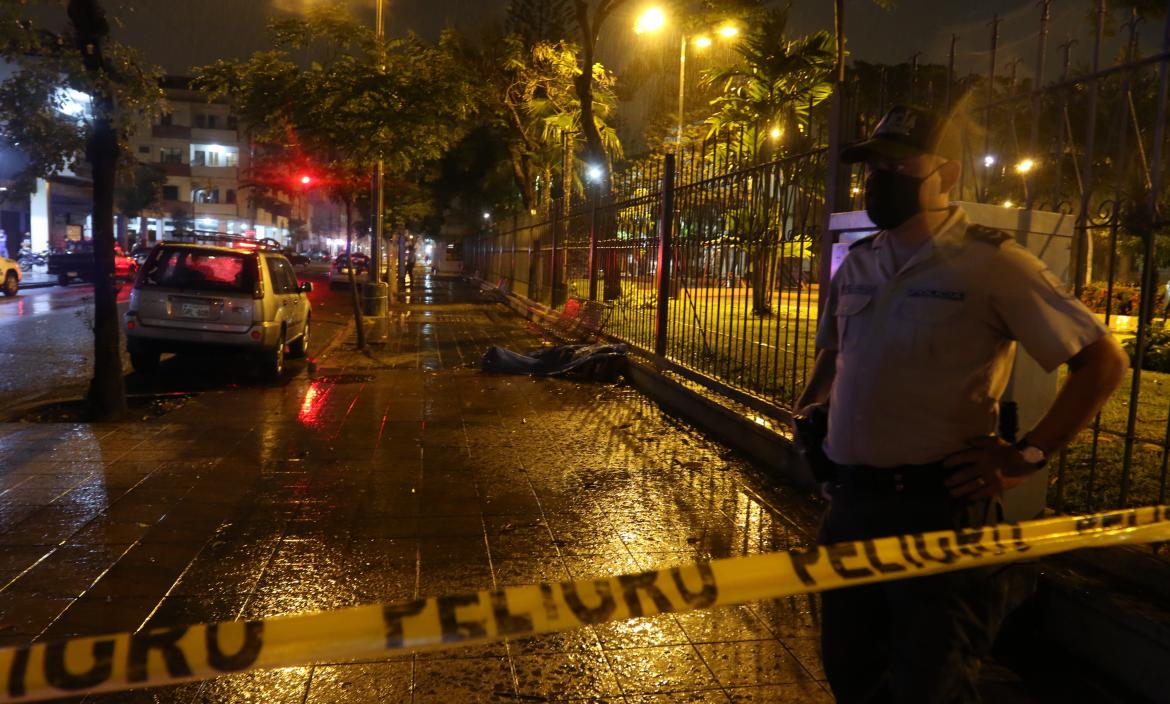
589, 362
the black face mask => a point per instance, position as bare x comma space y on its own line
891, 198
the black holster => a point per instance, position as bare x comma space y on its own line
810, 430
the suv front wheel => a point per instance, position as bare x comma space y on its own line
272, 361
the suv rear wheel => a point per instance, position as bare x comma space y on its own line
272, 362
10, 284
300, 348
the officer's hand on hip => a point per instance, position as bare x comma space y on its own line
989, 467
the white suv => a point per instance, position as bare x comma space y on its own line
192, 297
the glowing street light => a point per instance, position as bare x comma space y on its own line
595, 173
1025, 165
306, 180
1008, 204
652, 20
487, 215
989, 161
776, 132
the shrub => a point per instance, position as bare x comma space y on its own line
1126, 299
1157, 347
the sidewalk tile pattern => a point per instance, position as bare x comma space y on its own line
396, 473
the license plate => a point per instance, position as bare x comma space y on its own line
195, 310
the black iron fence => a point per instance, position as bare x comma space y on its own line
703, 260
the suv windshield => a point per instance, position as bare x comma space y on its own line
200, 270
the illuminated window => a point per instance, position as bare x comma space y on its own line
214, 155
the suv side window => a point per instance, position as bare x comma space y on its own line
294, 286
279, 273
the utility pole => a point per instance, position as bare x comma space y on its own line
376, 290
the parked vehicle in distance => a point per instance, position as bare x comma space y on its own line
192, 298
339, 272
28, 259
296, 258
10, 276
77, 264
139, 252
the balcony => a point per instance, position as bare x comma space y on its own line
170, 132
214, 135
217, 173
171, 168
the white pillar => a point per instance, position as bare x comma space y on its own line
39, 216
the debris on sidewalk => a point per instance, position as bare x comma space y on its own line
596, 362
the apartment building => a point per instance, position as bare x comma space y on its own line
199, 146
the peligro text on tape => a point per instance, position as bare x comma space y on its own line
168, 655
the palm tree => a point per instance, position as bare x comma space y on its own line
767, 92
772, 85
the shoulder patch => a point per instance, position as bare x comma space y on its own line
867, 238
988, 235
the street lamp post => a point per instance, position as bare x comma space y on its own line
653, 20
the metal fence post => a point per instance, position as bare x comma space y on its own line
593, 245
554, 276
665, 227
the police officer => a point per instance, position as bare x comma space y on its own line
915, 349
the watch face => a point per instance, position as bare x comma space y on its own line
1032, 454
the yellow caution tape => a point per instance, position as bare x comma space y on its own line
161, 656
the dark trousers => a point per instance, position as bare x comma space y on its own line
919, 639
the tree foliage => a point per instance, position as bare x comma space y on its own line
141, 190
529, 102
773, 84
400, 100
46, 103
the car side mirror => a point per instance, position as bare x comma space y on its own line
307, 287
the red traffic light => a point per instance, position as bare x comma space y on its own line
306, 180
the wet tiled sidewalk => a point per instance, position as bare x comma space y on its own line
393, 474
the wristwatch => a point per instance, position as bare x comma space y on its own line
1032, 455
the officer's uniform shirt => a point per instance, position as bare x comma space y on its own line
924, 352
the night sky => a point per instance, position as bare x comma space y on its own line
179, 34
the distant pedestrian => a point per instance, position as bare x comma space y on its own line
915, 349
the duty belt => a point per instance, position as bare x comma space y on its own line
917, 478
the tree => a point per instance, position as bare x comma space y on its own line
589, 25
140, 192
73, 97
528, 102
401, 100
773, 84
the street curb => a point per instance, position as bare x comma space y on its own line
36, 284
350, 327
12, 413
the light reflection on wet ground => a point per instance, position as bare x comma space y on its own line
402, 473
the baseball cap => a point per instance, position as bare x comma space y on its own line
904, 131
